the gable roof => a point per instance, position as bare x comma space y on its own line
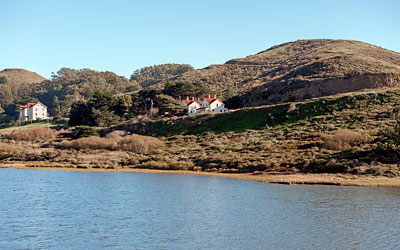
210, 100
188, 102
30, 105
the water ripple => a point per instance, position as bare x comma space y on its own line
104, 210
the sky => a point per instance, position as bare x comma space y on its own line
124, 35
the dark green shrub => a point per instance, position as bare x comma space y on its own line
84, 131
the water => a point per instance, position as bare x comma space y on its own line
111, 210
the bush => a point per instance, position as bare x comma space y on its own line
344, 138
92, 142
7, 150
139, 143
33, 134
133, 143
116, 134
84, 131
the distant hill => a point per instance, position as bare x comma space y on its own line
21, 76
16, 86
300, 70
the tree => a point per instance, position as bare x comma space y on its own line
80, 114
169, 106
102, 109
72, 85
151, 75
104, 117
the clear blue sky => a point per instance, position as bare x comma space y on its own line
121, 35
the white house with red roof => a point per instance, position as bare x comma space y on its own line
33, 112
213, 105
192, 105
208, 105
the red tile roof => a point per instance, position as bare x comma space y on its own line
210, 100
188, 102
31, 104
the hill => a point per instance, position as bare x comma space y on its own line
58, 93
21, 76
300, 70
354, 134
348, 133
15, 86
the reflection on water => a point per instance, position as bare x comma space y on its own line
111, 210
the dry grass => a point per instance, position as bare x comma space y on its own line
344, 138
8, 148
33, 134
115, 141
139, 144
92, 142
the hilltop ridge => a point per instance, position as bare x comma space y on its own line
21, 76
300, 70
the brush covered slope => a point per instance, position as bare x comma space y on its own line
301, 70
355, 134
349, 133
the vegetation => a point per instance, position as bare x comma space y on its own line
71, 85
180, 90
104, 109
64, 88
132, 143
33, 134
16, 87
3, 80
351, 134
356, 133
151, 75
84, 131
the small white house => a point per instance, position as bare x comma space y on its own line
208, 105
33, 112
192, 105
213, 105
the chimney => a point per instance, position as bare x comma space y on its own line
192, 98
215, 96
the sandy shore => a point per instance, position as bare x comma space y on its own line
291, 179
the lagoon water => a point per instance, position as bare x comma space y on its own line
114, 210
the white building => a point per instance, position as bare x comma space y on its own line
33, 112
192, 105
213, 105
208, 105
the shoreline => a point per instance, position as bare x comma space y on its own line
288, 179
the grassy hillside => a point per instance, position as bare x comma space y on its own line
301, 70
350, 133
357, 133
289, 114
21, 76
